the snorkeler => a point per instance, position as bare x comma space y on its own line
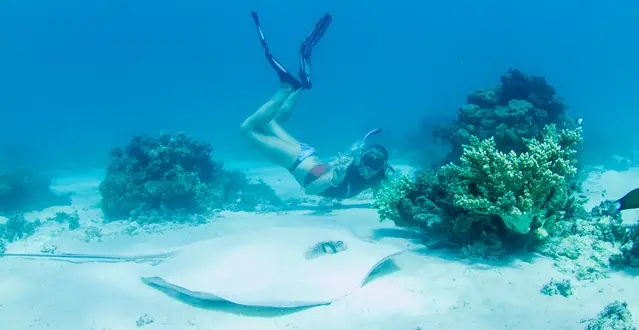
364, 166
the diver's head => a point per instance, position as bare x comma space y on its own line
373, 160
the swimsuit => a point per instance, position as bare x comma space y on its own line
352, 185
317, 171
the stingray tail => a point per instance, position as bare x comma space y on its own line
84, 258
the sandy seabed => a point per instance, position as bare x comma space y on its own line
428, 290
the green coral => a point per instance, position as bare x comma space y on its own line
389, 197
521, 189
492, 200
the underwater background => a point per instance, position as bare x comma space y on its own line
80, 77
509, 199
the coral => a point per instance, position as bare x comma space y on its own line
387, 200
629, 255
22, 190
615, 316
172, 178
144, 320
48, 248
491, 201
581, 256
519, 188
555, 287
17, 227
515, 110
72, 219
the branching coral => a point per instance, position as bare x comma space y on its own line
388, 199
519, 188
490, 197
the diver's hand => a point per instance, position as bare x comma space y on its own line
340, 170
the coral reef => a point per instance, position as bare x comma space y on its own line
492, 197
73, 219
22, 190
17, 227
515, 110
615, 316
555, 287
629, 251
172, 178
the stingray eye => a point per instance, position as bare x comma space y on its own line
340, 243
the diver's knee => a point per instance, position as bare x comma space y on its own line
246, 128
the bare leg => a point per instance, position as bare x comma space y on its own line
262, 128
256, 128
268, 111
274, 128
287, 107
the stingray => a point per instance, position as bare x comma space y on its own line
281, 267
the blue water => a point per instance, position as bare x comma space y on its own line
79, 77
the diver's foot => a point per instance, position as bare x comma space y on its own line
285, 76
307, 47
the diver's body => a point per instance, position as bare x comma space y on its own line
363, 167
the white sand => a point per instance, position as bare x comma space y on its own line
429, 289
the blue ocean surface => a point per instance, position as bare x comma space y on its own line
124, 139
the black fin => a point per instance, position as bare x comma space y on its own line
630, 201
283, 74
307, 47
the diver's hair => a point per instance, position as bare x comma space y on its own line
376, 148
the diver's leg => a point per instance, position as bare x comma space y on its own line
267, 112
283, 113
256, 127
307, 47
281, 151
284, 75
274, 127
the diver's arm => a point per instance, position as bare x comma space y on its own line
321, 184
332, 178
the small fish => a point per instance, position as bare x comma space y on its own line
325, 247
531, 123
580, 121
